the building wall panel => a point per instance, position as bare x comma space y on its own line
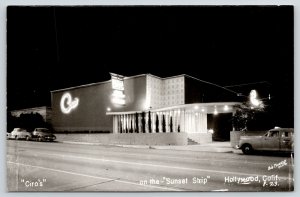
93, 103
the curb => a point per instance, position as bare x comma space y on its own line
217, 150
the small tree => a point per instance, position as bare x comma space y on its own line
136, 122
149, 122
131, 128
171, 124
243, 114
143, 123
157, 124
163, 124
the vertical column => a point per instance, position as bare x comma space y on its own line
115, 124
146, 123
130, 123
186, 122
133, 122
160, 121
181, 120
176, 114
167, 117
204, 123
125, 123
193, 126
196, 116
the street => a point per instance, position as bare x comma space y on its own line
40, 166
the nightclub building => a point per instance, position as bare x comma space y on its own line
145, 104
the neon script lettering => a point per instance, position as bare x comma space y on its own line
67, 104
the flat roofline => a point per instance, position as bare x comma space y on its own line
141, 75
177, 107
93, 84
108, 81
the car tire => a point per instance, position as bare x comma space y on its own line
39, 138
27, 138
247, 149
16, 137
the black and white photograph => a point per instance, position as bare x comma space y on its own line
161, 98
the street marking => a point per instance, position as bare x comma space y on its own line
162, 166
197, 159
96, 177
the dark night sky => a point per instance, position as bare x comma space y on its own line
57, 47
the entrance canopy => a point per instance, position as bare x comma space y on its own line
207, 108
188, 118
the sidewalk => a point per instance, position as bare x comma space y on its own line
219, 147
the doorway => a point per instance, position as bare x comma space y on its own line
221, 124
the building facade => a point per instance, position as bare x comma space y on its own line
141, 104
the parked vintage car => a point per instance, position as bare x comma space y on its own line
278, 139
20, 133
8, 136
43, 134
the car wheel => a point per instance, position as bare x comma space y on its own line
16, 137
247, 149
40, 139
27, 138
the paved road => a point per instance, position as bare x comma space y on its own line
39, 166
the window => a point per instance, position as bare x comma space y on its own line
273, 134
285, 134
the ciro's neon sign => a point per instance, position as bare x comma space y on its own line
67, 104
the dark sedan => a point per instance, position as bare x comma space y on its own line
43, 134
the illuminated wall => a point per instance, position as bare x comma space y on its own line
93, 101
173, 88
164, 92
84, 108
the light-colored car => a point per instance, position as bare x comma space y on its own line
19, 133
278, 139
43, 134
8, 136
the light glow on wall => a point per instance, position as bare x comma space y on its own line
226, 108
147, 102
118, 93
215, 111
119, 101
210, 131
67, 104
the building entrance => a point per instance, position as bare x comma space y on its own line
221, 125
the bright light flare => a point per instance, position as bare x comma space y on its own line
253, 98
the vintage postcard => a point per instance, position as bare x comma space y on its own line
150, 98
